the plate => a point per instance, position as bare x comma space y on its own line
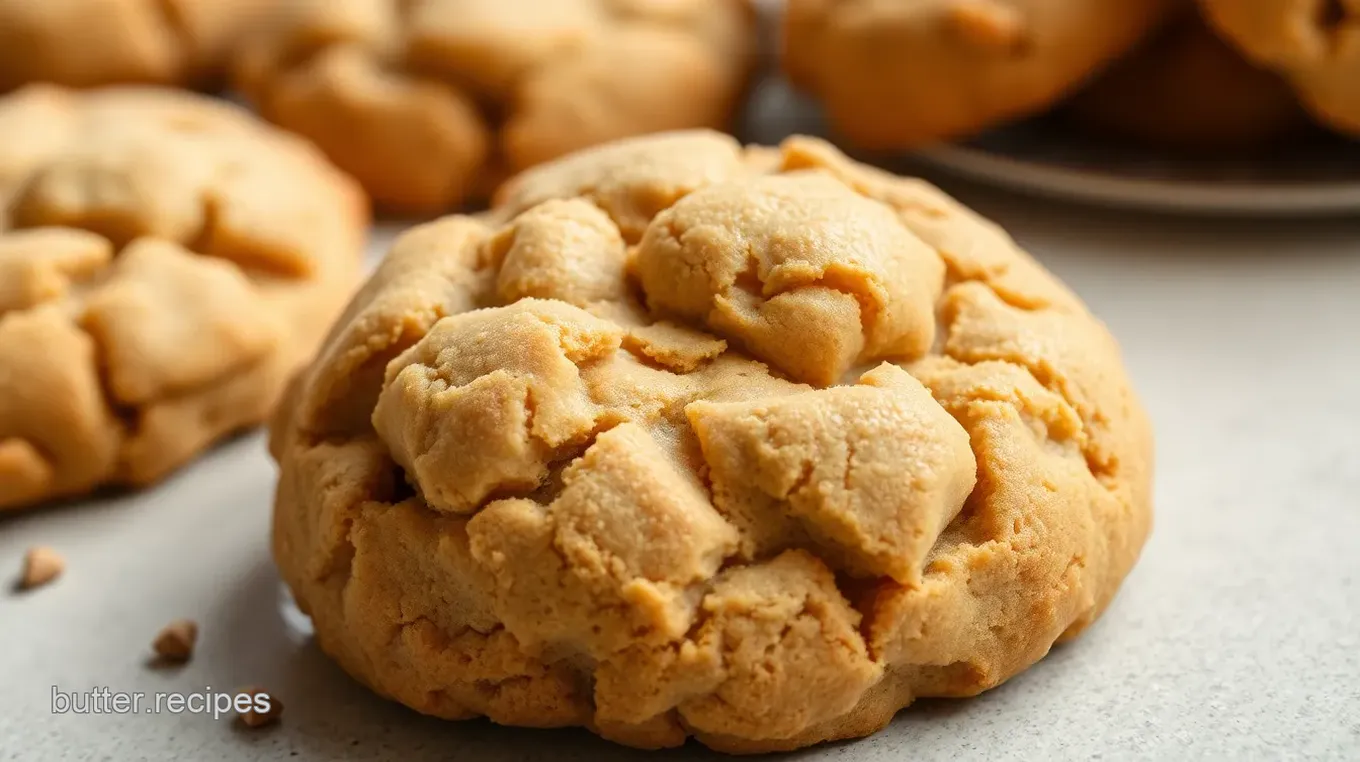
1317, 175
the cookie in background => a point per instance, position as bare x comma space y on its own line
432, 103
900, 75
166, 262
87, 43
1314, 44
1187, 89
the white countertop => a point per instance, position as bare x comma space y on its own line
1237, 637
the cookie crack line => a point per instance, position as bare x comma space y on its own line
1102, 474
832, 278
955, 277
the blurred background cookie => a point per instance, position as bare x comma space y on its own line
1187, 89
1315, 44
902, 74
166, 262
83, 43
428, 103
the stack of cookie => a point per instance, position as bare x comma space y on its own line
1206, 74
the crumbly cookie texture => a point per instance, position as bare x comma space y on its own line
175, 642
41, 566
262, 708
895, 75
1187, 88
431, 102
166, 262
87, 43
685, 439
1315, 44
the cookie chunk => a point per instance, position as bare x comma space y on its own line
431, 102
1314, 44
688, 439
166, 262
1188, 89
87, 43
895, 75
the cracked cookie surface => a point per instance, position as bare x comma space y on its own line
166, 262
685, 439
895, 75
89, 43
431, 102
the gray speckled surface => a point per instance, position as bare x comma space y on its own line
1236, 637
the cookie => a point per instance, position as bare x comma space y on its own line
86, 43
433, 102
686, 440
897, 75
1188, 89
1315, 44
166, 263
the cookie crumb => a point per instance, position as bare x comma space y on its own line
41, 565
175, 642
257, 707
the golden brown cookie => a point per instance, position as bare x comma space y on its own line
678, 443
85, 43
896, 74
431, 102
1315, 44
166, 262
1187, 88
